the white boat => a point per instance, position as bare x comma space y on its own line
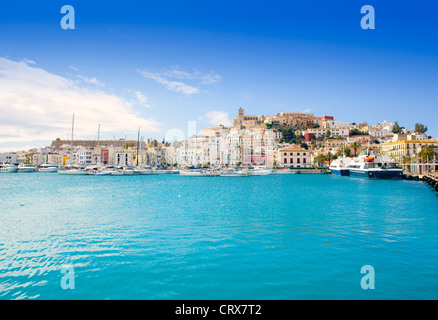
162, 171
98, 170
191, 173
47, 167
26, 168
211, 173
143, 171
260, 171
285, 171
235, 173
69, 170
8, 168
339, 166
123, 171
102, 172
374, 167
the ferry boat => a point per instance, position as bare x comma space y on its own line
339, 166
26, 168
47, 167
8, 168
374, 167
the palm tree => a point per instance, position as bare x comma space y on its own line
343, 151
406, 160
355, 147
427, 153
320, 159
330, 157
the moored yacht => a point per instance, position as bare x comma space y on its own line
374, 167
260, 171
235, 173
8, 168
143, 171
47, 167
192, 173
123, 171
70, 170
26, 168
163, 171
199, 173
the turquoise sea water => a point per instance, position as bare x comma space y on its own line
172, 237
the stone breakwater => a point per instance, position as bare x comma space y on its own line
429, 178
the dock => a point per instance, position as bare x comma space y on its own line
429, 178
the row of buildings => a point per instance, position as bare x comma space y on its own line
247, 142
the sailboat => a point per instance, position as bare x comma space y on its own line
140, 169
72, 170
97, 169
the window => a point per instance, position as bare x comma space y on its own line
298, 160
285, 160
298, 153
291, 160
304, 160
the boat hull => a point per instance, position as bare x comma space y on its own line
48, 170
234, 175
26, 169
8, 170
340, 172
73, 172
377, 174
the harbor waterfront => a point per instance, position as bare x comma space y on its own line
286, 236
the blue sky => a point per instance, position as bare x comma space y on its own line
158, 65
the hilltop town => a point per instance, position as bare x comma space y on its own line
287, 139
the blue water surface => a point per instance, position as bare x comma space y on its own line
172, 237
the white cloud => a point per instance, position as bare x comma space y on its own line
172, 79
202, 78
28, 61
170, 85
142, 99
216, 118
38, 105
91, 80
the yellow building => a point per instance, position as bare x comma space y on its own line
398, 149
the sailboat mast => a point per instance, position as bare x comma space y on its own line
98, 141
138, 142
141, 151
71, 147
